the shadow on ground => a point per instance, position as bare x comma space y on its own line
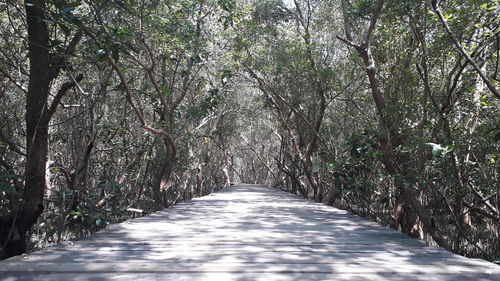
247, 232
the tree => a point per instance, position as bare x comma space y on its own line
44, 67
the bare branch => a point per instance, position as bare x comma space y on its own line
373, 21
130, 100
258, 155
347, 22
69, 51
60, 94
12, 145
13, 81
459, 46
348, 42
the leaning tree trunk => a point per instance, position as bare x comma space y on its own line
415, 212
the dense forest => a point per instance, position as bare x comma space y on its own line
112, 109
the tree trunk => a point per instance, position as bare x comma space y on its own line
36, 129
38, 114
416, 212
163, 176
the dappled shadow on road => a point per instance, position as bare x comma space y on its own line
247, 233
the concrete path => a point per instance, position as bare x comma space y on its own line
247, 232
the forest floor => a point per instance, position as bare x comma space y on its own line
247, 232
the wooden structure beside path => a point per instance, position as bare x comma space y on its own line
247, 232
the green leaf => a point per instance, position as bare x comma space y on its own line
7, 189
104, 186
122, 32
338, 183
68, 9
131, 47
73, 4
496, 138
449, 148
51, 232
100, 52
436, 148
65, 29
52, 216
497, 261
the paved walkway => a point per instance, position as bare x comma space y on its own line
247, 232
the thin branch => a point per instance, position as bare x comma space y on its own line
69, 51
12, 145
258, 155
373, 21
458, 225
476, 67
483, 199
13, 81
60, 94
347, 23
348, 42
130, 100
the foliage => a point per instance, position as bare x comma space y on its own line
372, 110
